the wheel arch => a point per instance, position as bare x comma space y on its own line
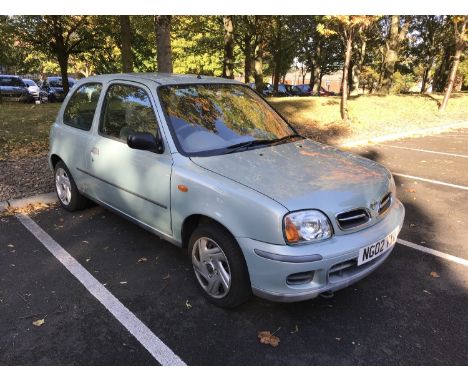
193, 221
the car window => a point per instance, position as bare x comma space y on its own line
11, 81
80, 109
127, 109
208, 118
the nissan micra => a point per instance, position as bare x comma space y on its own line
207, 164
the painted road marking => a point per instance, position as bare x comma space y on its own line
427, 151
431, 181
433, 252
138, 329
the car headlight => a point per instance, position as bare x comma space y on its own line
306, 226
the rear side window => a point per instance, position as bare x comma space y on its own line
127, 109
11, 81
80, 109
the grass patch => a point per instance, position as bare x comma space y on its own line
370, 115
24, 128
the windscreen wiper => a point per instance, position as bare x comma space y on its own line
245, 145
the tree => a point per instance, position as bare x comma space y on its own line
59, 36
126, 44
228, 62
162, 25
460, 38
348, 27
396, 35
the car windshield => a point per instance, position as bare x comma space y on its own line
57, 83
209, 119
11, 81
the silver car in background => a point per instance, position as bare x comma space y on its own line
207, 164
33, 89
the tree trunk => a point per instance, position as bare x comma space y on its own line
425, 78
460, 45
315, 86
248, 58
344, 92
277, 54
357, 68
126, 44
162, 25
63, 63
442, 73
395, 37
258, 72
228, 63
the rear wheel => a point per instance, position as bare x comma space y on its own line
67, 192
219, 266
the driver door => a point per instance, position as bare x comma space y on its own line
135, 182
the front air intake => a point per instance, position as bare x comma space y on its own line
352, 219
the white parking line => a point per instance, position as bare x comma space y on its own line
432, 181
138, 329
426, 151
433, 252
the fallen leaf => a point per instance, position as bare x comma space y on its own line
88, 259
142, 259
123, 282
412, 225
167, 277
188, 305
338, 338
268, 339
85, 241
435, 274
296, 329
410, 190
11, 245
39, 322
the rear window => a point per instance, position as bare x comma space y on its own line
81, 107
11, 81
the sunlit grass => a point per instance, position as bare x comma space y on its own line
370, 115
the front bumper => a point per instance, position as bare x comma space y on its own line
269, 264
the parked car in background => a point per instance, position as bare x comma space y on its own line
325, 93
267, 89
54, 88
305, 89
12, 88
33, 89
208, 165
295, 91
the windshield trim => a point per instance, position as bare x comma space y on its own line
214, 152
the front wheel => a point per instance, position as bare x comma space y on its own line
219, 266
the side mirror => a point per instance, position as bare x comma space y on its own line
145, 141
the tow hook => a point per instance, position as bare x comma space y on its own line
328, 294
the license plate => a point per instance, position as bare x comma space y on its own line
376, 249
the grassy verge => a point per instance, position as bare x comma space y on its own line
24, 128
370, 115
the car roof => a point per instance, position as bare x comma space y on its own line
9, 76
164, 78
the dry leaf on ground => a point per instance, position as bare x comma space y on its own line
142, 259
435, 274
39, 322
269, 339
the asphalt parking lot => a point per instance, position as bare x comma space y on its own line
412, 311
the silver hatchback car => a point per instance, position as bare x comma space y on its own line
207, 164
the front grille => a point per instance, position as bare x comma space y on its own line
353, 218
385, 203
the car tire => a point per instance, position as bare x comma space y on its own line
67, 193
215, 268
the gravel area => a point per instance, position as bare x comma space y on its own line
20, 178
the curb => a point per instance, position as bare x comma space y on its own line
406, 134
48, 198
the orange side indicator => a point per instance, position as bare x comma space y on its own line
182, 188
